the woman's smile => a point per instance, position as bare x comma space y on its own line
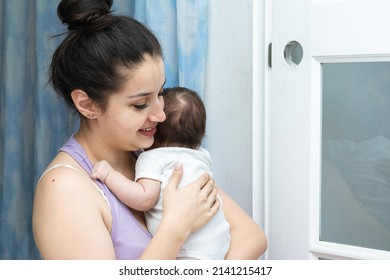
149, 132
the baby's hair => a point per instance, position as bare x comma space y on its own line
185, 125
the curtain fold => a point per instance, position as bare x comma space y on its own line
181, 26
34, 121
18, 84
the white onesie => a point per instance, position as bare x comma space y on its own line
213, 240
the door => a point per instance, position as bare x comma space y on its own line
328, 187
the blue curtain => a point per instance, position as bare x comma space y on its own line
181, 26
34, 122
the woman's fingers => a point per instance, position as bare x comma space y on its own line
207, 185
212, 196
176, 176
215, 206
194, 205
203, 181
213, 202
209, 191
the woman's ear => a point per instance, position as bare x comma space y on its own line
84, 104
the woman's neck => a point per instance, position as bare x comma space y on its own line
96, 150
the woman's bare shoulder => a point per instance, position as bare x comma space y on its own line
62, 175
64, 182
67, 207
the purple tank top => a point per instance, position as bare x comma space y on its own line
128, 237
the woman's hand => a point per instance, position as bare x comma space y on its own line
192, 206
185, 210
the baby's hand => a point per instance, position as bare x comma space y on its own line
101, 170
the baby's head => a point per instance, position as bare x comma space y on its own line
185, 125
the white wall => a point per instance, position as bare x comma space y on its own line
228, 97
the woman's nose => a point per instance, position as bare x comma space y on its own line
158, 114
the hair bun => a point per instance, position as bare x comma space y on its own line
80, 13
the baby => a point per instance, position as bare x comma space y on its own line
177, 140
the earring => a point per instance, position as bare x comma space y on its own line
89, 116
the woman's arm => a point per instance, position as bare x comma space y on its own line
248, 241
182, 214
71, 219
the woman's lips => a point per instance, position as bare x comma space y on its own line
149, 132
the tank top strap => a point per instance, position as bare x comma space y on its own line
74, 168
129, 237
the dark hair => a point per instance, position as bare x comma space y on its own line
97, 48
185, 125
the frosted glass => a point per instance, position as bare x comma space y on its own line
355, 177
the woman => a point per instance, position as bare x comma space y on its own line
110, 69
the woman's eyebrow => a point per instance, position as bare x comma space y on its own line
144, 94
140, 95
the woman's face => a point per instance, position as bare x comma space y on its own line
131, 116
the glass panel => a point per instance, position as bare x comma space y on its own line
355, 190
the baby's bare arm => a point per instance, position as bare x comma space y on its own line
141, 195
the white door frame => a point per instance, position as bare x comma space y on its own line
260, 121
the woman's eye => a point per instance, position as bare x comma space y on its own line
141, 106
